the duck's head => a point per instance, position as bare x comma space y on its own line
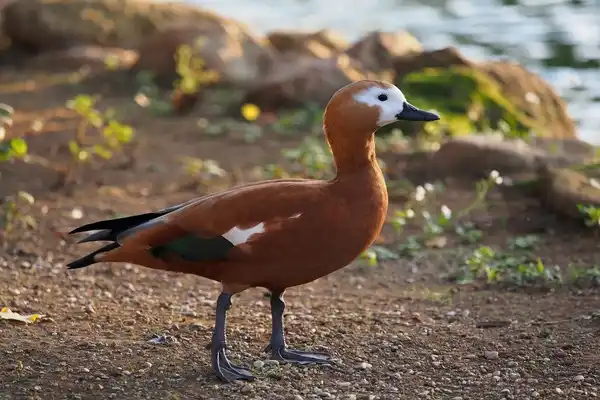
362, 107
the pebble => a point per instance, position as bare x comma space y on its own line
246, 389
490, 354
365, 365
272, 363
578, 378
258, 364
558, 390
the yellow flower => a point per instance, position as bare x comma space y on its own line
250, 111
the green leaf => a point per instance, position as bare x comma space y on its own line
74, 147
82, 104
103, 152
18, 147
6, 111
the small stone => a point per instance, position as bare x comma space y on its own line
436, 363
558, 390
86, 370
344, 384
258, 364
535, 394
365, 365
578, 378
272, 363
490, 354
246, 389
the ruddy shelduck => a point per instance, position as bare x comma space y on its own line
274, 234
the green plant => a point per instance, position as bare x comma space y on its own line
435, 224
114, 133
191, 76
14, 147
591, 214
190, 69
375, 254
202, 169
312, 156
12, 212
513, 268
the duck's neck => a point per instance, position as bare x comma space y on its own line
354, 157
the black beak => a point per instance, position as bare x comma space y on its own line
412, 113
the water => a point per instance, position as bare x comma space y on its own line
481, 29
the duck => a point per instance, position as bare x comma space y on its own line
273, 234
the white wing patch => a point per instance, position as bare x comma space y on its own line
239, 236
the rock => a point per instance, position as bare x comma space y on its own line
58, 24
322, 44
477, 155
490, 355
94, 57
562, 190
295, 83
534, 96
5, 41
227, 49
473, 97
377, 50
443, 58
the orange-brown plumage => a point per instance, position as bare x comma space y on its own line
275, 234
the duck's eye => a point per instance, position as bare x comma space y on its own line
382, 97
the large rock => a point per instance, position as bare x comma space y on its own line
472, 97
227, 49
5, 41
476, 156
298, 82
534, 96
417, 61
57, 24
377, 50
321, 44
94, 57
563, 190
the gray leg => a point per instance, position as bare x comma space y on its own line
277, 347
220, 364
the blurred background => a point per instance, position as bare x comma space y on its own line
559, 39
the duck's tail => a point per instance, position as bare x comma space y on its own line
114, 230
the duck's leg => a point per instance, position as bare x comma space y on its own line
220, 363
277, 347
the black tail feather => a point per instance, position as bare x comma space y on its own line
101, 236
111, 229
117, 224
91, 258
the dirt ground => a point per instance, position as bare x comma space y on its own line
398, 330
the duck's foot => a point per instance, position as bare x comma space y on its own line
221, 365
285, 354
227, 371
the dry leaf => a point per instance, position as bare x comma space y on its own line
5, 313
